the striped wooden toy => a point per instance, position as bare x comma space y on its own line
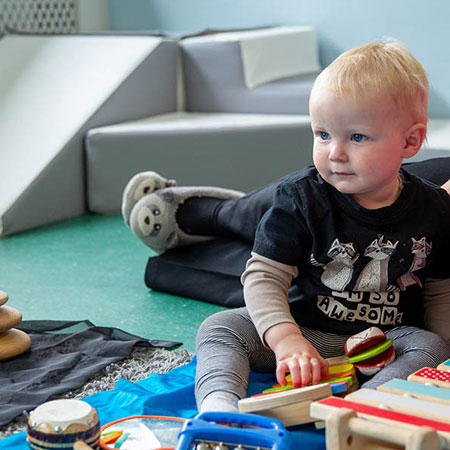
400, 403
421, 404
417, 390
352, 426
444, 366
428, 375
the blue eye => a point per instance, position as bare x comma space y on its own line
358, 137
324, 136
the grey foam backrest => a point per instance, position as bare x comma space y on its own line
214, 82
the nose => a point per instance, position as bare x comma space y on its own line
337, 152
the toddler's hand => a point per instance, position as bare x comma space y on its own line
295, 354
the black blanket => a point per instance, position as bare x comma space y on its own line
62, 357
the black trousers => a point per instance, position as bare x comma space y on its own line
210, 271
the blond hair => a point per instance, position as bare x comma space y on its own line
383, 67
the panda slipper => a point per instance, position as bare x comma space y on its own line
153, 217
142, 184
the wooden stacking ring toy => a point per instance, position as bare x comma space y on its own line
59, 424
13, 342
9, 318
3, 298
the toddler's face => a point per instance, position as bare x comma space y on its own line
358, 145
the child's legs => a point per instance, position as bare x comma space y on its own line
240, 218
227, 347
414, 348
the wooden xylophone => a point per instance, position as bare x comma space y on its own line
412, 414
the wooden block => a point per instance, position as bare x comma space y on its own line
290, 407
399, 403
323, 409
416, 390
13, 343
290, 415
337, 360
284, 398
339, 387
3, 298
334, 371
445, 366
341, 368
346, 431
9, 318
429, 375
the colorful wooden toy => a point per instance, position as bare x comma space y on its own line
416, 390
428, 375
207, 430
337, 385
444, 366
352, 426
343, 373
421, 405
400, 403
291, 407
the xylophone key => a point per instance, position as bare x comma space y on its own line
444, 366
431, 376
221, 446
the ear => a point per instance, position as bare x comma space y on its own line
414, 137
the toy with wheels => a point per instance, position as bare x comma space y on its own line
216, 428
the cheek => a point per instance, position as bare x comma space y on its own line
320, 158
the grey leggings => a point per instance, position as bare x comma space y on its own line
228, 347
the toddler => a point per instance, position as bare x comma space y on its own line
360, 240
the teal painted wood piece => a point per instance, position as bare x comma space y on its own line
445, 365
416, 388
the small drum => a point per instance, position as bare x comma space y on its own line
58, 424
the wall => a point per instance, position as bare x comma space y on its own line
93, 15
423, 26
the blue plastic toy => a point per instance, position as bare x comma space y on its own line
206, 429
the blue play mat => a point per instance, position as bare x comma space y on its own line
170, 394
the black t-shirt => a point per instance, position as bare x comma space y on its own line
357, 267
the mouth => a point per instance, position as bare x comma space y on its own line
343, 174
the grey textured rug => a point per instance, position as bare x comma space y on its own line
142, 362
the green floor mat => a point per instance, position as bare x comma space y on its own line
92, 267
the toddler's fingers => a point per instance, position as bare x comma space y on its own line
305, 371
324, 366
295, 371
315, 371
282, 368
